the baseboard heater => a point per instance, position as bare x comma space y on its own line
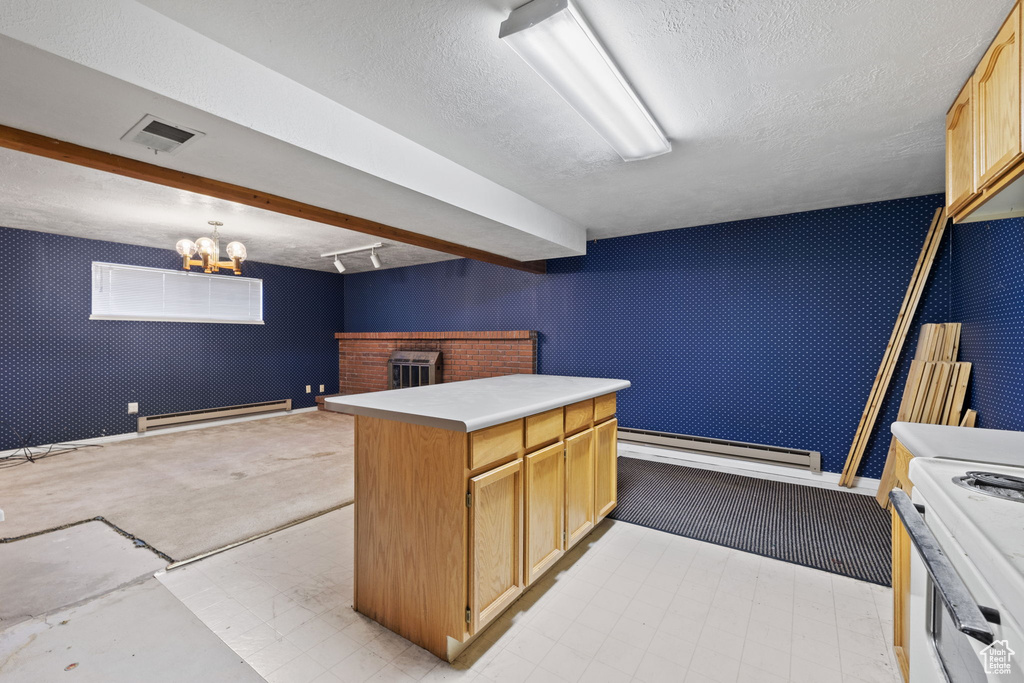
193, 416
790, 457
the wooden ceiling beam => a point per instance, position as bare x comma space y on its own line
40, 145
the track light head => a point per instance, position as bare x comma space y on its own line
374, 259
339, 265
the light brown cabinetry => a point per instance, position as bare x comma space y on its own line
579, 486
605, 469
494, 444
901, 595
901, 569
495, 542
997, 102
984, 139
961, 174
543, 428
545, 509
452, 527
579, 416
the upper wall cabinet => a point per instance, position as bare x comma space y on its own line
997, 97
984, 153
961, 179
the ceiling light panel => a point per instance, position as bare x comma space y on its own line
554, 38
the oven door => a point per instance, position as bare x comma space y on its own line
953, 638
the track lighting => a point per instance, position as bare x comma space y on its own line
372, 248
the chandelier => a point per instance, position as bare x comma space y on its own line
208, 249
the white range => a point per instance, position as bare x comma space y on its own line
966, 522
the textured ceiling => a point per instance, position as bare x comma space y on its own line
52, 196
87, 72
773, 107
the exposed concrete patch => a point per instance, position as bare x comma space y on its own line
139, 633
65, 567
182, 499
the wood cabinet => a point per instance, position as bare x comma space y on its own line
545, 509
579, 416
495, 542
605, 469
961, 173
579, 486
901, 569
997, 101
901, 595
984, 139
451, 527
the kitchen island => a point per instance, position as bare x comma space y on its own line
468, 492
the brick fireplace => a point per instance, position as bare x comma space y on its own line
363, 356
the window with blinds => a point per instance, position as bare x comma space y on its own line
122, 292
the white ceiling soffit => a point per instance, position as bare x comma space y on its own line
52, 196
772, 107
119, 60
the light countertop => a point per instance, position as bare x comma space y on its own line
477, 403
961, 443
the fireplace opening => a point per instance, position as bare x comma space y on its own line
414, 368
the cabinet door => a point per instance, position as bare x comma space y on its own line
545, 509
961, 170
579, 486
901, 595
997, 103
606, 451
495, 542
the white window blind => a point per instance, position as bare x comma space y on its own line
122, 292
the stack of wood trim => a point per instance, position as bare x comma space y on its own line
938, 341
934, 393
918, 280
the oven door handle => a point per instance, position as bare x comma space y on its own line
966, 613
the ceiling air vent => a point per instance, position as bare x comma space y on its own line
161, 136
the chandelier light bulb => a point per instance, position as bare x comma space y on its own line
236, 250
207, 247
186, 247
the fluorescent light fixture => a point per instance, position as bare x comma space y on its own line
554, 38
374, 259
339, 265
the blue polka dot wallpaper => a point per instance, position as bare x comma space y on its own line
768, 330
988, 296
65, 377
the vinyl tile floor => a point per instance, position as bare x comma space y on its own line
627, 604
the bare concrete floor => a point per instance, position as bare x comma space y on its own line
187, 493
61, 568
138, 633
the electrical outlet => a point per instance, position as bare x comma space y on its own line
133, 408
321, 388
309, 389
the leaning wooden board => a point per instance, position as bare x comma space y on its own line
918, 279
